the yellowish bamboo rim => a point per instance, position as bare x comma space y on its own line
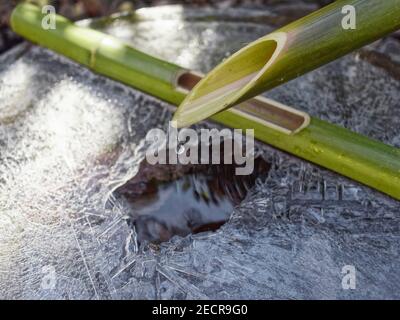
245, 68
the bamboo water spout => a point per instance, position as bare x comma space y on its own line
287, 53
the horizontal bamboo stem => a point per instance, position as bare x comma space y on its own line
100, 52
360, 158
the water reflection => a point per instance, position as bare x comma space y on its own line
168, 200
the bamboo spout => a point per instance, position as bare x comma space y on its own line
286, 54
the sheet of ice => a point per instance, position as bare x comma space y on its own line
68, 138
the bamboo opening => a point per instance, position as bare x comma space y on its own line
228, 83
236, 72
273, 114
187, 81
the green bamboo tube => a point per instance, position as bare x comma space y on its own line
350, 154
288, 53
100, 52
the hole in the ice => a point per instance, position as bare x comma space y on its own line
168, 200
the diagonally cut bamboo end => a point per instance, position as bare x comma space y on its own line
229, 82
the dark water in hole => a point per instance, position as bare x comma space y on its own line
168, 200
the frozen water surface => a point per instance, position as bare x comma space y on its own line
69, 139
